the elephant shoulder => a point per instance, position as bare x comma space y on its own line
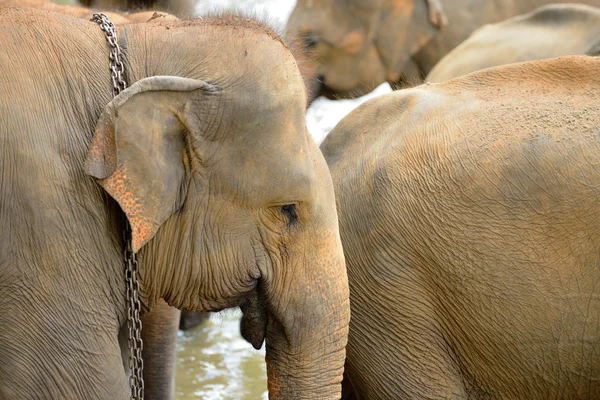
414, 143
364, 150
370, 128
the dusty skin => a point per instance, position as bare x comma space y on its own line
359, 44
547, 32
230, 201
470, 219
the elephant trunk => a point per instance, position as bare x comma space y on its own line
159, 334
308, 331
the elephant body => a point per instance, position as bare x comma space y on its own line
470, 219
361, 44
180, 155
551, 31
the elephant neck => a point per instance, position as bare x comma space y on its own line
164, 267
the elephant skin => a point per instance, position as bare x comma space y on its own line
206, 154
359, 44
551, 31
470, 219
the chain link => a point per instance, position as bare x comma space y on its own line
136, 363
116, 66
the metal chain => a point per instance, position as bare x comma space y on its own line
136, 364
117, 68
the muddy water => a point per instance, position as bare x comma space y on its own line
215, 363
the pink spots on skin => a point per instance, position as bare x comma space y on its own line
119, 188
101, 159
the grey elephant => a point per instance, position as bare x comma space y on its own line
207, 156
470, 219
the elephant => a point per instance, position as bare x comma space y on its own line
206, 155
179, 8
87, 13
550, 31
359, 44
470, 221
160, 338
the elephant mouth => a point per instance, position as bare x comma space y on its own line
253, 326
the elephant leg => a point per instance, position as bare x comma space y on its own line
159, 333
190, 319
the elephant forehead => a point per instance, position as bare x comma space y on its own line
275, 170
234, 53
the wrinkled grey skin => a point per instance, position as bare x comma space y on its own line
208, 156
470, 219
551, 31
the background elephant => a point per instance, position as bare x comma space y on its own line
360, 44
230, 201
469, 214
180, 8
551, 31
86, 13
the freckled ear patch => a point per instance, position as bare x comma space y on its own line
117, 186
101, 158
274, 381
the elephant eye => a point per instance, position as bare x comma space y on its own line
311, 40
289, 210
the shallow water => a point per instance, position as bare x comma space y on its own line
215, 363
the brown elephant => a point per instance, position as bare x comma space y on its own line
360, 44
470, 218
86, 13
207, 156
550, 31
160, 335
180, 8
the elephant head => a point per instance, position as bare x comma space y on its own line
229, 199
359, 44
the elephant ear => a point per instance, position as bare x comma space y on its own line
404, 29
139, 152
